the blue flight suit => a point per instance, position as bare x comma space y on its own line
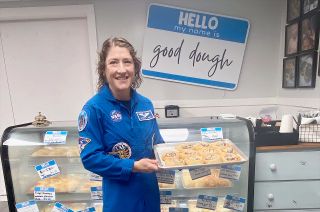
111, 138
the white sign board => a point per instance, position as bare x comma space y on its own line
193, 47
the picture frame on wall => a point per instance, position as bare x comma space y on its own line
306, 72
293, 10
308, 35
291, 42
309, 6
289, 72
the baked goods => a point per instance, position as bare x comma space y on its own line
71, 183
84, 187
192, 205
61, 183
165, 207
57, 151
209, 181
166, 186
98, 207
200, 153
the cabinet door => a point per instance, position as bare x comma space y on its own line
287, 166
287, 195
48, 67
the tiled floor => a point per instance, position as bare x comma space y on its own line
4, 206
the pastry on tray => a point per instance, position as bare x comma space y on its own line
56, 151
166, 186
61, 183
209, 181
71, 183
165, 207
200, 153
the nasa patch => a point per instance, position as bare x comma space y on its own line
122, 149
145, 115
82, 120
83, 142
115, 116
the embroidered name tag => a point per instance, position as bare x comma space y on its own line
145, 115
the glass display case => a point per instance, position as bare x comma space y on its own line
37, 159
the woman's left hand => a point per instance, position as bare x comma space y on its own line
145, 165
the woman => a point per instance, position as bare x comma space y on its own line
117, 130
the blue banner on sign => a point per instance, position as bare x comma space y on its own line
188, 79
25, 204
44, 165
231, 167
212, 198
198, 23
233, 198
48, 189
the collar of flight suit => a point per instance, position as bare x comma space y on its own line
106, 93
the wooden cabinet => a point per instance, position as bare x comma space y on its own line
287, 179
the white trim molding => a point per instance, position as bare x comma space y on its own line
307, 103
59, 12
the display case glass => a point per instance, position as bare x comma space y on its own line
37, 157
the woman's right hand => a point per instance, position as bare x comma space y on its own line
145, 165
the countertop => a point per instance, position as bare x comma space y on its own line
300, 146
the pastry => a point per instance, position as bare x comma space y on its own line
54, 151
85, 186
209, 181
201, 153
166, 186
67, 184
172, 159
165, 207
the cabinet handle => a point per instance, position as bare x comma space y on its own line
270, 197
303, 163
273, 167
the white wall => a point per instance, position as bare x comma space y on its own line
261, 57
261, 74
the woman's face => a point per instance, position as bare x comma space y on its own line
119, 70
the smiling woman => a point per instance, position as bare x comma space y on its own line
117, 130
127, 49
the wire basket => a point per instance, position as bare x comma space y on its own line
309, 133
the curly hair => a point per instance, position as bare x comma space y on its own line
120, 42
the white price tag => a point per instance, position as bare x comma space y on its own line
28, 206
95, 177
211, 134
92, 209
58, 207
234, 203
55, 137
47, 169
231, 172
165, 197
44, 194
199, 172
96, 193
166, 176
207, 202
